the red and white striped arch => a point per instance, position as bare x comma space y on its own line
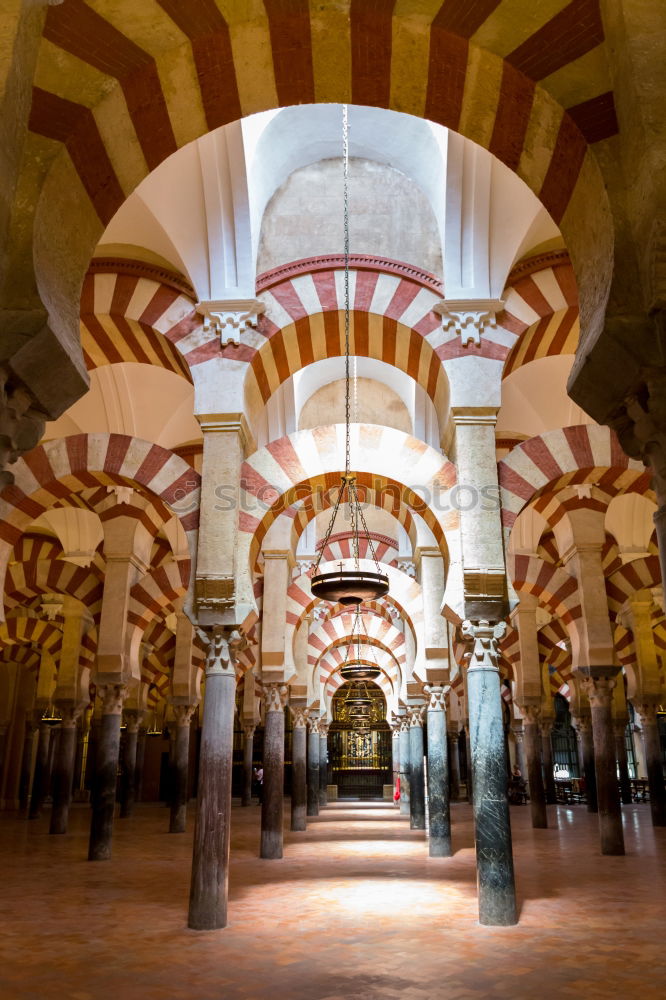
639, 574
556, 589
571, 455
297, 465
555, 651
60, 468
129, 318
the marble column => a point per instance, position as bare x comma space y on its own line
395, 758
63, 776
323, 764
416, 770
599, 690
248, 759
468, 755
140, 757
653, 760
26, 763
453, 737
313, 767
41, 777
583, 727
272, 799
128, 778
299, 790
210, 856
405, 762
106, 772
439, 817
531, 719
619, 728
181, 768
548, 760
519, 744
494, 857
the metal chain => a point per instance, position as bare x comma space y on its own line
345, 188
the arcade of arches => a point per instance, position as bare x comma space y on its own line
172, 301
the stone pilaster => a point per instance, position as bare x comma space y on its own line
439, 817
299, 785
598, 685
416, 771
181, 768
313, 766
272, 800
248, 758
494, 858
106, 768
210, 856
653, 760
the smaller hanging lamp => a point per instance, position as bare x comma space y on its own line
355, 669
345, 586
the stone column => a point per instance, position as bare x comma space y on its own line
416, 773
140, 757
63, 777
583, 727
210, 856
323, 764
653, 760
439, 817
106, 771
272, 799
468, 754
519, 743
313, 767
395, 757
41, 776
531, 717
26, 763
494, 858
181, 768
405, 762
299, 792
548, 761
128, 779
599, 689
248, 758
619, 727
454, 763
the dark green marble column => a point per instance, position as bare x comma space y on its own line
494, 857
299, 784
439, 818
323, 764
416, 770
404, 766
313, 767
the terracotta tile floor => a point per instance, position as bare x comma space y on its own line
356, 909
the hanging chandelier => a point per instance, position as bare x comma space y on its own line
354, 669
347, 586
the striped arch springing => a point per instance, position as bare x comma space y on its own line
571, 455
541, 309
127, 318
26, 581
57, 469
275, 477
554, 587
639, 574
555, 652
19, 629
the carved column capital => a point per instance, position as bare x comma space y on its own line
275, 697
531, 714
113, 697
469, 317
599, 690
437, 697
222, 646
582, 724
405, 723
518, 733
230, 318
546, 725
485, 636
416, 716
70, 714
647, 709
299, 717
323, 727
313, 724
133, 719
183, 714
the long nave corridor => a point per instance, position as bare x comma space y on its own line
338, 917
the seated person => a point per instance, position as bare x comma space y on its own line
517, 790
